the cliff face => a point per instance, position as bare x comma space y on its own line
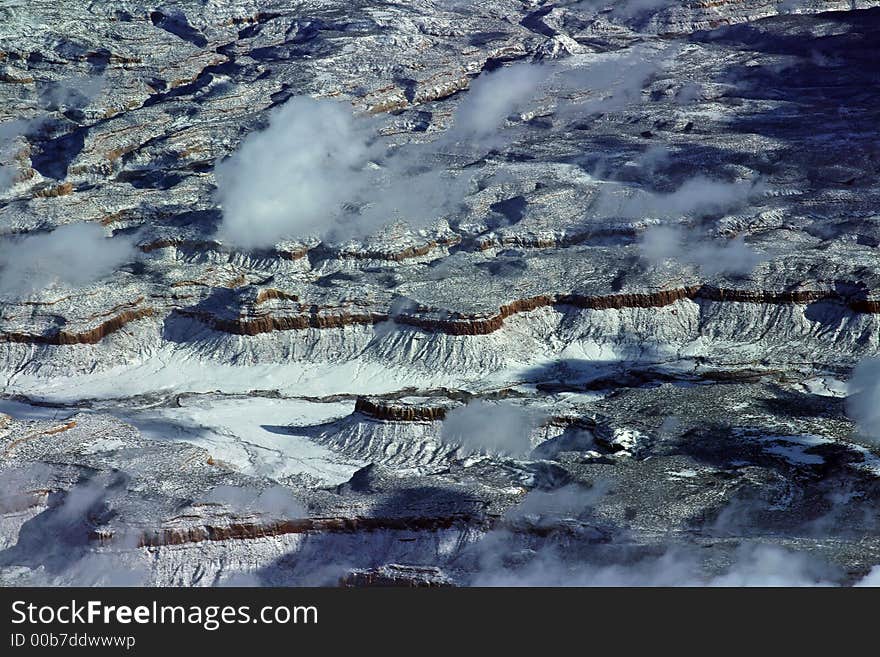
396, 575
256, 323
455, 277
244, 531
687, 17
637, 297
88, 336
398, 412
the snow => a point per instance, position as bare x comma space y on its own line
104, 445
794, 448
154, 376
683, 474
256, 435
171, 371
825, 386
24, 411
795, 454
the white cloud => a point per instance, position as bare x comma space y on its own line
318, 169
610, 82
293, 178
871, 579
753, 565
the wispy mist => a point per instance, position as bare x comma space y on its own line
492, 98
712, 256
71, 93
491, 428
697, 197
609, 555
753, 565
75, 254
863, 402
274, 501
10, 134
622, 8
320, 169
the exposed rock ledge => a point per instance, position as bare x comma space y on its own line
396, 575
250, 530
397, 412
254, 530
89, 336
476, 325
453, 324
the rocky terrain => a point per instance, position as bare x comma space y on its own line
440, 293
